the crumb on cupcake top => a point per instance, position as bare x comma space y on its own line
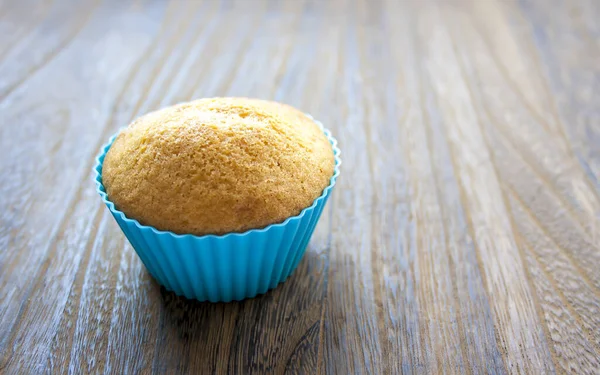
214, 166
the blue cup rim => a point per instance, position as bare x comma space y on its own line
111, 206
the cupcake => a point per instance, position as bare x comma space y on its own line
219, 197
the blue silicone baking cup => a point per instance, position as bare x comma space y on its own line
227, 267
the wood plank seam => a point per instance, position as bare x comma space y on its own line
461, 70
51, 56
535, 55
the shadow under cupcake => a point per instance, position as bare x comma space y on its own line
219, 197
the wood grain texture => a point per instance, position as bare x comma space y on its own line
462, 237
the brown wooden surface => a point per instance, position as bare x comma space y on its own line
463, 235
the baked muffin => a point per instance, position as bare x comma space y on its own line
215, 166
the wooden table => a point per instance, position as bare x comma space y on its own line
463, 235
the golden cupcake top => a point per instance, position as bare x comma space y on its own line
214, 166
